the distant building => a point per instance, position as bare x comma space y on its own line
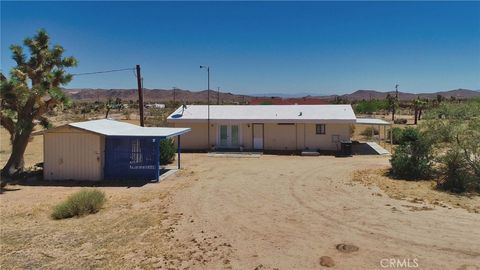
155, 105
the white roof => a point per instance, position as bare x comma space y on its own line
265, 113
116, 128
371, 121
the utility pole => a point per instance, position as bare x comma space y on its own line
208, 104
173, 89
395, 102
140, 95
218, 96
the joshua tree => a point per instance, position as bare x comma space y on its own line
418, 106
392, 103
33, 89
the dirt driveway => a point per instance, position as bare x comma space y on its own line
272, 212
286, 212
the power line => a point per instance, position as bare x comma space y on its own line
104, 71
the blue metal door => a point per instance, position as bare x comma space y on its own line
132, 158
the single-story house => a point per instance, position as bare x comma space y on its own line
104, 149
265, 127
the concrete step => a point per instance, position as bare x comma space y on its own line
380, 150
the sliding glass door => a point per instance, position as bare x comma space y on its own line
229, 136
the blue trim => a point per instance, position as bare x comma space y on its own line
157, 159
179, 151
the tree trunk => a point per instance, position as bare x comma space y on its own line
393, 114
420, 114
15, 163
416, 116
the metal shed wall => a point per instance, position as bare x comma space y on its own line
132, 158
73, 154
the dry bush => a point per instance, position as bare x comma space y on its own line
80, 203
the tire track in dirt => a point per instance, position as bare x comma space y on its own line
338, 223
296, 209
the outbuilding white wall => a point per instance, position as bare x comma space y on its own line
73, 154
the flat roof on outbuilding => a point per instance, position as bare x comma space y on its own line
372, 121
110, 127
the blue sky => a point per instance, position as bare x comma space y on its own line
261, 47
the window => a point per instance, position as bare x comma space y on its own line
320, 128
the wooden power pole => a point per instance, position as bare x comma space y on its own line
140, 95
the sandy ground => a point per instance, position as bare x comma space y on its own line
424, 193
280, 212
33, 153
272, 212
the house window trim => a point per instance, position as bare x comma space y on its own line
317, 129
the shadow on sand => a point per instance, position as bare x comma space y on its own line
128, 183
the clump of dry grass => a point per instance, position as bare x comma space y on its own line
80, 203
416, 191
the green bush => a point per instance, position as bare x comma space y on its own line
80, 203
409, 134
401, 136
396, 135
455, 175
454, 129
167, 151
413, 159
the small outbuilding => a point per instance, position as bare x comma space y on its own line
105, 149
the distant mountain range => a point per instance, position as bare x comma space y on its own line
373, 94
155, 95
187, 96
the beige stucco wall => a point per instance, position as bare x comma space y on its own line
196, 139
73, 154
279, 137
300, 136
315, 141
276, 137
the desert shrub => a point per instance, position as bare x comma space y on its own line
455, 175
127, 113
401, 136
400, 121
456, 138
409, 134
368, 131
80, 203
413, 159
167, 151
396, 135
